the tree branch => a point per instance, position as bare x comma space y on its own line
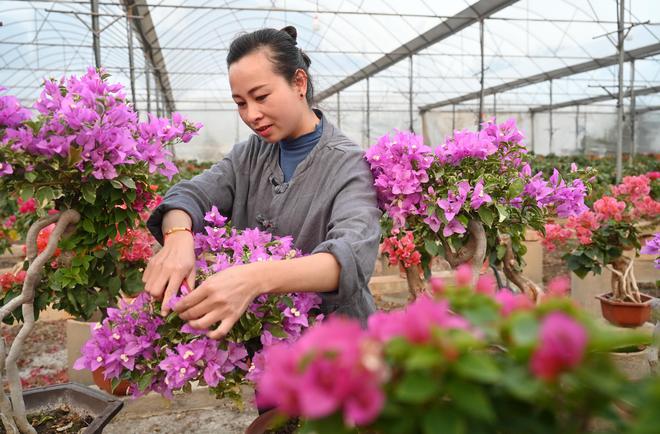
32, 278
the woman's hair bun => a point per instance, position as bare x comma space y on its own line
291, 31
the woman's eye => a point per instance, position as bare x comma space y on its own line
240, 104
261, 97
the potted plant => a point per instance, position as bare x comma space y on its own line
135, 345
607, 237
468, 359
469, 199
87, 159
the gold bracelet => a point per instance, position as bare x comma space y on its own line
179, 229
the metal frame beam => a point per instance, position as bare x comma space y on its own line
594, 99
146, 34
602, 62
465, 18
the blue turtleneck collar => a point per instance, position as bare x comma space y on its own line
294, 151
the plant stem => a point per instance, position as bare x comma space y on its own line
32, 279
511, 270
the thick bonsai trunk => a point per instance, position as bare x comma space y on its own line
624, 284
416, 283
16, 408
512, 271
474, 251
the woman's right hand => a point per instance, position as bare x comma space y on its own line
167, 269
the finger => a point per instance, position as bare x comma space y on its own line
197, 311
157, 284
172, 289
193, 298
191, 278
146, 273
209, 319
223, 329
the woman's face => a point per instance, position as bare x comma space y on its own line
270, 105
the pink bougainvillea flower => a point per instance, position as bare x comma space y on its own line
562, 344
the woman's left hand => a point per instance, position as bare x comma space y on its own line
223, 298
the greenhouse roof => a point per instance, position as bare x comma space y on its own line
531, 48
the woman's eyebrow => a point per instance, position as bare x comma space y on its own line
254, 89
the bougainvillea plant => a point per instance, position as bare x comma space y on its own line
599, 237
134, 343
468, 359
470, 198
86, 159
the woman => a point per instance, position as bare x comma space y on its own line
298, 175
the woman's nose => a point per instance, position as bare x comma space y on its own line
253, 114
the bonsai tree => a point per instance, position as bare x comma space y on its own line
599, 237
469, 199
86, 158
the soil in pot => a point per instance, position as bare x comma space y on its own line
61, 420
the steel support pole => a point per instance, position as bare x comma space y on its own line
410, 95
96, 33
550, 120
633, 144
619, 117
131, 63
481, 80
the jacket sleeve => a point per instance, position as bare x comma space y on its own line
353, 236
215, 186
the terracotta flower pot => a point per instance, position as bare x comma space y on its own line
623, 313
106, 385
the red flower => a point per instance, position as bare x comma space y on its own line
402, 250
28, 206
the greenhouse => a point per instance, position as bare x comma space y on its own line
329, 217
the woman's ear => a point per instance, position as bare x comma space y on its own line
300, 82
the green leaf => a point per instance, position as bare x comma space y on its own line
431, 247
524, 329
116, 184
417, 387
127, 181
424, 358
27, 192
515, 188
89, 192
471, 400
88, 226
478, 366
486, 215
443, 420
44, 195
145, 381
503, 212
114, 284
30, 176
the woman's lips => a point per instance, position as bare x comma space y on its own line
265, 130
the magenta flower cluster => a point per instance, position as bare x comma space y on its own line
135, 343
87, 121
465, 172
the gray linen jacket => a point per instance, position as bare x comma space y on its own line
329, 205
